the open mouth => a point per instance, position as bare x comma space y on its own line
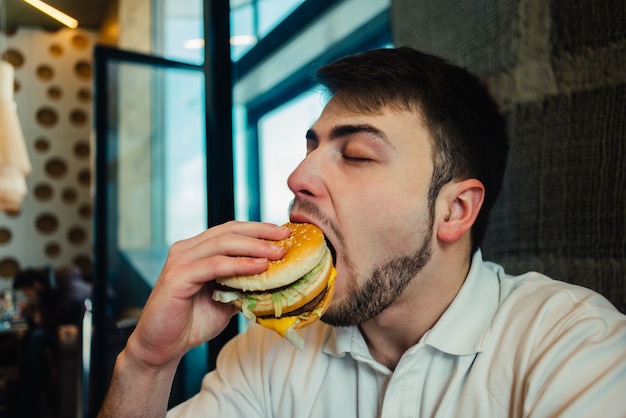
333, 253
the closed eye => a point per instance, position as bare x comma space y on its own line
356, 160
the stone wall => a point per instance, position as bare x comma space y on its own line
558, 69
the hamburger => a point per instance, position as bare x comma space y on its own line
293, 292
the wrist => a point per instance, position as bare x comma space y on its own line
137, 388
144, 361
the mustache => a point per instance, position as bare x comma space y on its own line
310, 208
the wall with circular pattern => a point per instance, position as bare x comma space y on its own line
53, 92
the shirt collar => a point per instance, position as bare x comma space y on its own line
461, 330
342, 340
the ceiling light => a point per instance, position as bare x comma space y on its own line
193, 43
243, 40
68, 21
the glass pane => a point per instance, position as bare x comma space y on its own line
244, 167
185, 156
157, 191
179, 30
250, 21
272, 12
282, 146
242, 29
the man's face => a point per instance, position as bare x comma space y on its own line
365, 183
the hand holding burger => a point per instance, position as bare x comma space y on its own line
293, 292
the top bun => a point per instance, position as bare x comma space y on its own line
304, 250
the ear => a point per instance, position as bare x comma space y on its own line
458, 207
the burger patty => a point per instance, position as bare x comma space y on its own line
250, 292
304, 309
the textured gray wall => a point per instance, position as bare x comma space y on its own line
558, 69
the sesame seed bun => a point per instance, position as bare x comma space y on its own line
304, 249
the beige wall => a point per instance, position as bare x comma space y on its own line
135, 23
53, 75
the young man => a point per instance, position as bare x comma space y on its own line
401, 171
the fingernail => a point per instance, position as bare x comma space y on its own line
277, 248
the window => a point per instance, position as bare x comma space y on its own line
282, 146
253, 19
179, 30
274, 103
184, 171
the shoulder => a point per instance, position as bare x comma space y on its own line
536, 291
542, 313
563, 344
532, 304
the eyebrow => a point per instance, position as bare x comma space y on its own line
341, 131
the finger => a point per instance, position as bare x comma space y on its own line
228, 244
260, 230
185, 280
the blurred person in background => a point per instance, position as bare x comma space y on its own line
53, 309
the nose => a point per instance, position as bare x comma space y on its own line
307, 179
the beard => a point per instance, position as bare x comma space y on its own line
384, 285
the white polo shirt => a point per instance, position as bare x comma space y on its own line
524, 346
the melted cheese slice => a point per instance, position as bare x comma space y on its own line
280, 325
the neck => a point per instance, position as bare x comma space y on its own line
390, 334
